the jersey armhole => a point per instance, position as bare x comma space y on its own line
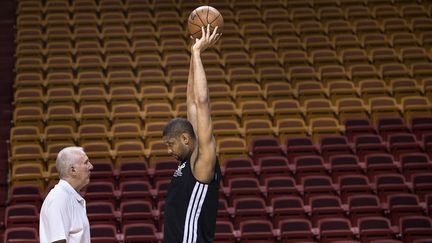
215, 179
217, 176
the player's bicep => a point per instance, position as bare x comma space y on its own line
204, 167
204, 125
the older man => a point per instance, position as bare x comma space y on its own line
63, 216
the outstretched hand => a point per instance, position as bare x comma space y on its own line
207, 39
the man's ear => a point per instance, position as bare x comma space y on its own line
185, 138
72, 170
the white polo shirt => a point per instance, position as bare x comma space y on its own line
63, 216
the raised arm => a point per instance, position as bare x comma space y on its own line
190, 98
203, 166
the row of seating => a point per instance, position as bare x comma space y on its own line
278, 191
247, 100
412, 229
289, 120
231, 137
129, 143
62, 6
344, 48
272, 176
274, 98
372, 229
280, 207
107, 5
416, 61
310, 184
329, 81
358, 69
406, 91
253, 129
136, 169
134, 232
244, 12
125, 130
120, 30
320, 49
241, 91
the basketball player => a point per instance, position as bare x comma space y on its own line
192, 201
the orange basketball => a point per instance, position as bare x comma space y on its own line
202, 16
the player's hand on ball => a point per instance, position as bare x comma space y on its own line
208, 39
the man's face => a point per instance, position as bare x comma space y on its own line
82, 170
176, 148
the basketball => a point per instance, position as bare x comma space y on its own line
202, 16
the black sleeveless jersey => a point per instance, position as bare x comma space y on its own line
191, 207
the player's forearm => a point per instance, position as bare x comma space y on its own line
200, 81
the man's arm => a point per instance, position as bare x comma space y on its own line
203, 167
190, 98
55, 220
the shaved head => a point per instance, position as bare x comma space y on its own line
178, 126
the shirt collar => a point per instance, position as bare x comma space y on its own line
69, 189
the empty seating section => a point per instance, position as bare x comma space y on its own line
321, 111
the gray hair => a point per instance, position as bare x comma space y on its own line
66, 158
